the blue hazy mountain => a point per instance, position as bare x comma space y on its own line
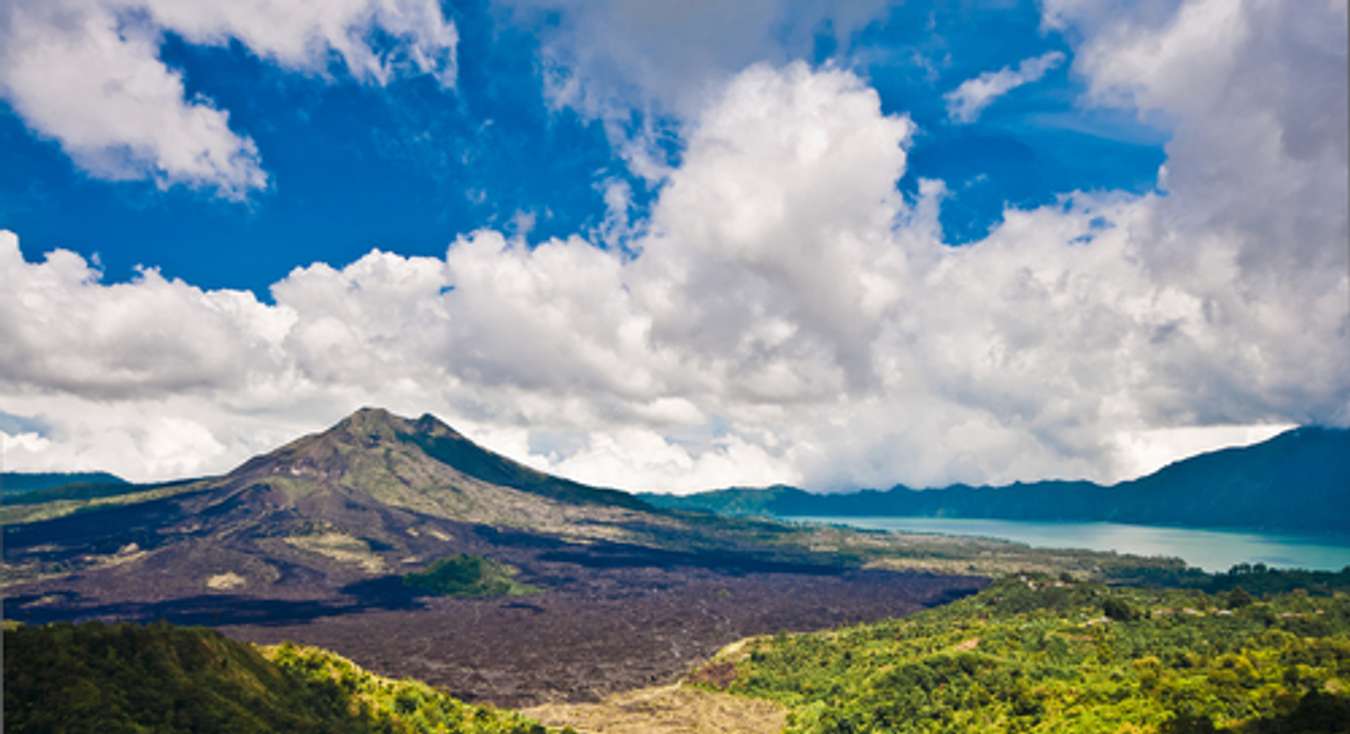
1298, 481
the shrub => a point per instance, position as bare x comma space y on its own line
466, 575
1119, 610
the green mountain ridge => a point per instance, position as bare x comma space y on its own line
1298, 481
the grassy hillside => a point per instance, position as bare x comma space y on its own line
120, 678
1043, 655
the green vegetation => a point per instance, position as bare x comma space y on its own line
115, 679
1036, 654
1252, 578
466, 575
393, 705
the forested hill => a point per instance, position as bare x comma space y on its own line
127, 678
19, 482
1298, 481
1054, 655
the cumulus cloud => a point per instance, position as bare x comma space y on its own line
1255, 172
967, 101
89, 75
610, 59
784, 314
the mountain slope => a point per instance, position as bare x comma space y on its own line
383, 455
423, 465
375, 495
1298, 481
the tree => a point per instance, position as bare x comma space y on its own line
1238, 598
1119, 610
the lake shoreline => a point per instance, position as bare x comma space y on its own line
1210, 549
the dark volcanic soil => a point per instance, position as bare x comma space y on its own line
580, 646
611, 616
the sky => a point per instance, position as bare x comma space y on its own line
675, 247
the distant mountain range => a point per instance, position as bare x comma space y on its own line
1298, 481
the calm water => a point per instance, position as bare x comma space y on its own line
1212, 550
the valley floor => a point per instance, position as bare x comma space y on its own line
608, 617
648, 627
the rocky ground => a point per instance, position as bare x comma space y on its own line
610, 617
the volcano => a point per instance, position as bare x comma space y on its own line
320, 540
373, 494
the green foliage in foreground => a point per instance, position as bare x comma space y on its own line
115, 679
1040, 655
466, 575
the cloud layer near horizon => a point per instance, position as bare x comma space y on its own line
788, 315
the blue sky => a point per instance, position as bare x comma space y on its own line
410, 165
674, 246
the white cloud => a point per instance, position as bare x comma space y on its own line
967, 101
21, 445
89, 75
607, 59
1151, 449
302, 35
784, 314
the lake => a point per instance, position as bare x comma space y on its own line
1212, 550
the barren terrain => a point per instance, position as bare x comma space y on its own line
611, 617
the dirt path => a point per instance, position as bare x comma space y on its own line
674, 709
